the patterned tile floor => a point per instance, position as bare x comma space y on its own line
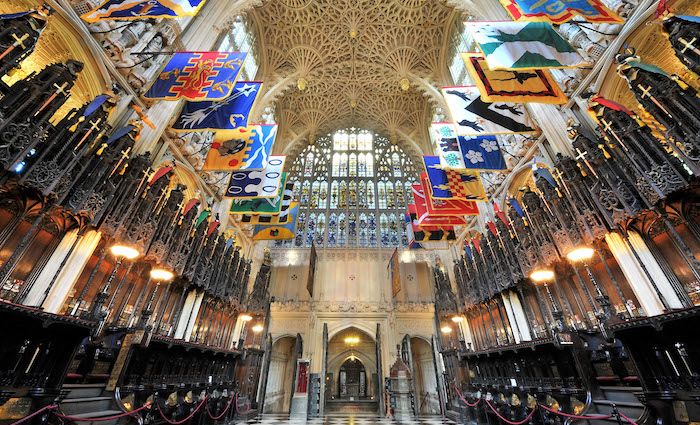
360, 419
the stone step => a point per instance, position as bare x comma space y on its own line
84, 390
76, 406
632, 409
97, 415
621, 394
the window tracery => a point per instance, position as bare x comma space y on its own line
349, 203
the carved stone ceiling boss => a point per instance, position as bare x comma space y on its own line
329, 64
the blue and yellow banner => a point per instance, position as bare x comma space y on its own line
231, 113
243, 149
197, 76
278, 232
16, 15
142, 9
560, 11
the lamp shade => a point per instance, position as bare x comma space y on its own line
580, 254
124, 251
542, 275
162, 275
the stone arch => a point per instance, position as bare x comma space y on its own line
63, 39
368, 328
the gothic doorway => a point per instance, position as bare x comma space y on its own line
424, 378
279, 391
352, 380
351, 373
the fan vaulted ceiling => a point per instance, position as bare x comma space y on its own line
329, 64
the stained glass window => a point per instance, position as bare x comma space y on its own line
353, 187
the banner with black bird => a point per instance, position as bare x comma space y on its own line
535, 86
523, 45
243, 149
197, 76
560, 11
228, 114
142, 9
474, 117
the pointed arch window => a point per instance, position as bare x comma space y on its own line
323, 195
336, 164
332, 230
343, 165
309, 165
342, 227
352, 164
352, 187
396, 164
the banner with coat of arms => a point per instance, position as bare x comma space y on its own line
536, 86
197, 76
278, 232
142, 9
560, 11
257, 183
231, 113
473, 117
453, 184
523, 45
242, 149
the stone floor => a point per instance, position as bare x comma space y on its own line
344, 420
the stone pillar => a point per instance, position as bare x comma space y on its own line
553, 124
36, 293
662, 283
68, 275
192, 318
237, 331
638, 274
184, 319
516, 316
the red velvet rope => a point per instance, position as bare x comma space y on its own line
106, 418
216, 418
171, 422
464, 400
627, 419
568, 415
28, 417
527, 418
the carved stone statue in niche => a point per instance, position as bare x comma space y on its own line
139, 74
683, 33
29, 104
673, 103
19, 33
129, 37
